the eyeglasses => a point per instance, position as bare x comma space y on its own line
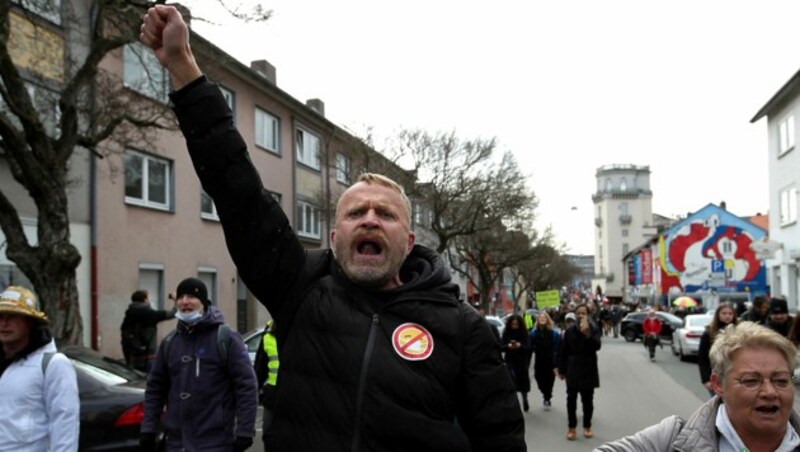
754, 382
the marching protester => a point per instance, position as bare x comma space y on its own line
651, 328
752, 410
577, 363
377, 350
39, 406
779, 319
545, 345
516, 343
138, 331
203, 376
724, 316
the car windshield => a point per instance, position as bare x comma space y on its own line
699, 321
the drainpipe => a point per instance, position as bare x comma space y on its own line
94, 311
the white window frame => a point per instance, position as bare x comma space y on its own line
155, 285
786, 135
145, 201
343, 169
787, 206
209, 277
207, 214
230, 99
143, 73
308, 147
267, 131
309, 221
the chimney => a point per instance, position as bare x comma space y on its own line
317, 105
723, 205
265, 69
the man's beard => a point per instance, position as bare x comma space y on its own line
370, 276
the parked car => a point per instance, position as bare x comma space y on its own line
498, 322
112, 401
251, 340
686, 339
631, 325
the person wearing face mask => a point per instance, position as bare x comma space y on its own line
210, 398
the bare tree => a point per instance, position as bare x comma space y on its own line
46, 116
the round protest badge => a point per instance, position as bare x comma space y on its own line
412, 342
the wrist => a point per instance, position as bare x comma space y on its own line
183, 71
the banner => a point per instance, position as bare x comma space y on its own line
637, 269
647, 266
548, 299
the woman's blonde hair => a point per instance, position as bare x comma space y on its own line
747, 335
549, 324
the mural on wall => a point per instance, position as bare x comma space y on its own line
711, 249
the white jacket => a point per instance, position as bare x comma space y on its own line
39, 411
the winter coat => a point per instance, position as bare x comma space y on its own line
703, 352
651, 326
578, 357
673, 434
208, 404
411, 368
545, 345
147, 318
518, 359
40, 409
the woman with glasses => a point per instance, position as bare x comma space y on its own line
752, 411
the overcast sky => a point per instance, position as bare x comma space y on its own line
567, 86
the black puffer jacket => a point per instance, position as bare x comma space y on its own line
344, 385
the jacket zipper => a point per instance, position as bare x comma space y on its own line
362, 380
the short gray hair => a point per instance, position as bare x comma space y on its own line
380, 179
748, 335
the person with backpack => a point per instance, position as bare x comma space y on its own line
202, 373
138, 331
39, 406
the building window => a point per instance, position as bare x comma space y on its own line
207, 208
623, 185
624, 232
786, 132
609, 185
422, 215
209, 278
308, 220
148, 180
788, 207
343, 169
48, 9
143, 73
623, 208
230, 99
267, 131
276, 196
624, 249
151, 279
308, 149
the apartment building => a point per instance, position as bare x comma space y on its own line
140, 218
782, 250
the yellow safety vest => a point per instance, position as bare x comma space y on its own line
271, 349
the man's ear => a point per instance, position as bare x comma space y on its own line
716, 385
333, 237
411, 240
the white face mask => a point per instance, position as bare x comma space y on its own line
189, 317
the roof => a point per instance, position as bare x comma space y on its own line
779, 97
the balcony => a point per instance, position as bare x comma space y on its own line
625, 219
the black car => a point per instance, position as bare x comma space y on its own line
112, 401
631, 326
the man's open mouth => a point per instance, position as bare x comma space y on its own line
369, 247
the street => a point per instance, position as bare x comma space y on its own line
634, 393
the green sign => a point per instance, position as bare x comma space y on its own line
548, 299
